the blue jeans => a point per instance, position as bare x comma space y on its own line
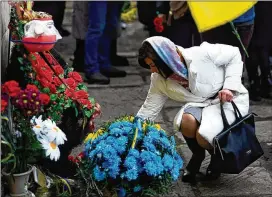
103, 20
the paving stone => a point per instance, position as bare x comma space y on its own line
263, 111
171, 113
264, 131
128, 81
253, 181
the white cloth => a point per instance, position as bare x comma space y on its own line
210, 67
36, 28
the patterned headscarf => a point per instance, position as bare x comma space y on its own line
167, 51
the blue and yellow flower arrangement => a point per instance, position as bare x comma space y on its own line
130, 157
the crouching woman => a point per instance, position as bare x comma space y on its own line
201, 77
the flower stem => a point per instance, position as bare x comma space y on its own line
235, 32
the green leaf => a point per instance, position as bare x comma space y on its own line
76, 111
82, 86
53, 97
87, 113
21, 60
61, 88
46, 90
33, 57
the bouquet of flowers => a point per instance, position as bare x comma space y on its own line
26, 138
129, 157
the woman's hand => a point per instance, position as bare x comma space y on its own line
225, 95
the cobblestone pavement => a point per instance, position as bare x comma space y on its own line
126, 95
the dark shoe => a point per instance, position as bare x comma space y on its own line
210, 173
78, 68
113, 72
97, 78
194, 164
266, 86
64, 32
119, 61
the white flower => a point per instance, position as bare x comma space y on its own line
38, 125
52, 150
53, 132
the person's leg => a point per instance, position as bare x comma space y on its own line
245, 32
252, 64
189, 126
97, 11
59, 19
180, 32
78, 63
105, 41
117, 60
266, 81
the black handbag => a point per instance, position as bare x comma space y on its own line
236, 146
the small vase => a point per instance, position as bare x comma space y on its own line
18, 185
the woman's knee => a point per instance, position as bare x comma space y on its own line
189, 125
202, 142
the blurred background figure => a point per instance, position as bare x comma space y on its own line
56, 9
260, 46
79, 29
99, 52
181, 28
224, 34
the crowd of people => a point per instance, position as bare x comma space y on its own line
96, 28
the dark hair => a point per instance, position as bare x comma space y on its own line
145, 50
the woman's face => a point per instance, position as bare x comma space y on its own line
152, 65
151, 55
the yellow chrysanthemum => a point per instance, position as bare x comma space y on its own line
93, 136
157, 126
145, 126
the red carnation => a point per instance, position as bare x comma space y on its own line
76, 76
81, 94
158, 21
57, 81
71, 83
52, 88
70, 93
85, 102
159, 28
4, 104
32, 87
59, 70
44, 98
44, 83
11, 88
71, 158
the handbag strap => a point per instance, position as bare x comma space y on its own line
237, 114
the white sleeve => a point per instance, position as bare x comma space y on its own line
153, 103
230, 57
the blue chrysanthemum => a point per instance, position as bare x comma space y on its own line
133, 152
98, 174
131, 174
167, 162
130, 162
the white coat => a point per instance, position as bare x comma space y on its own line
211, 67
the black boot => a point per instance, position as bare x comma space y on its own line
210, 174
266, 86
113, 72
255, 91
78, 63
194, 164
97, 78
117, 60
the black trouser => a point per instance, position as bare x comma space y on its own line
183, 32
258, 56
